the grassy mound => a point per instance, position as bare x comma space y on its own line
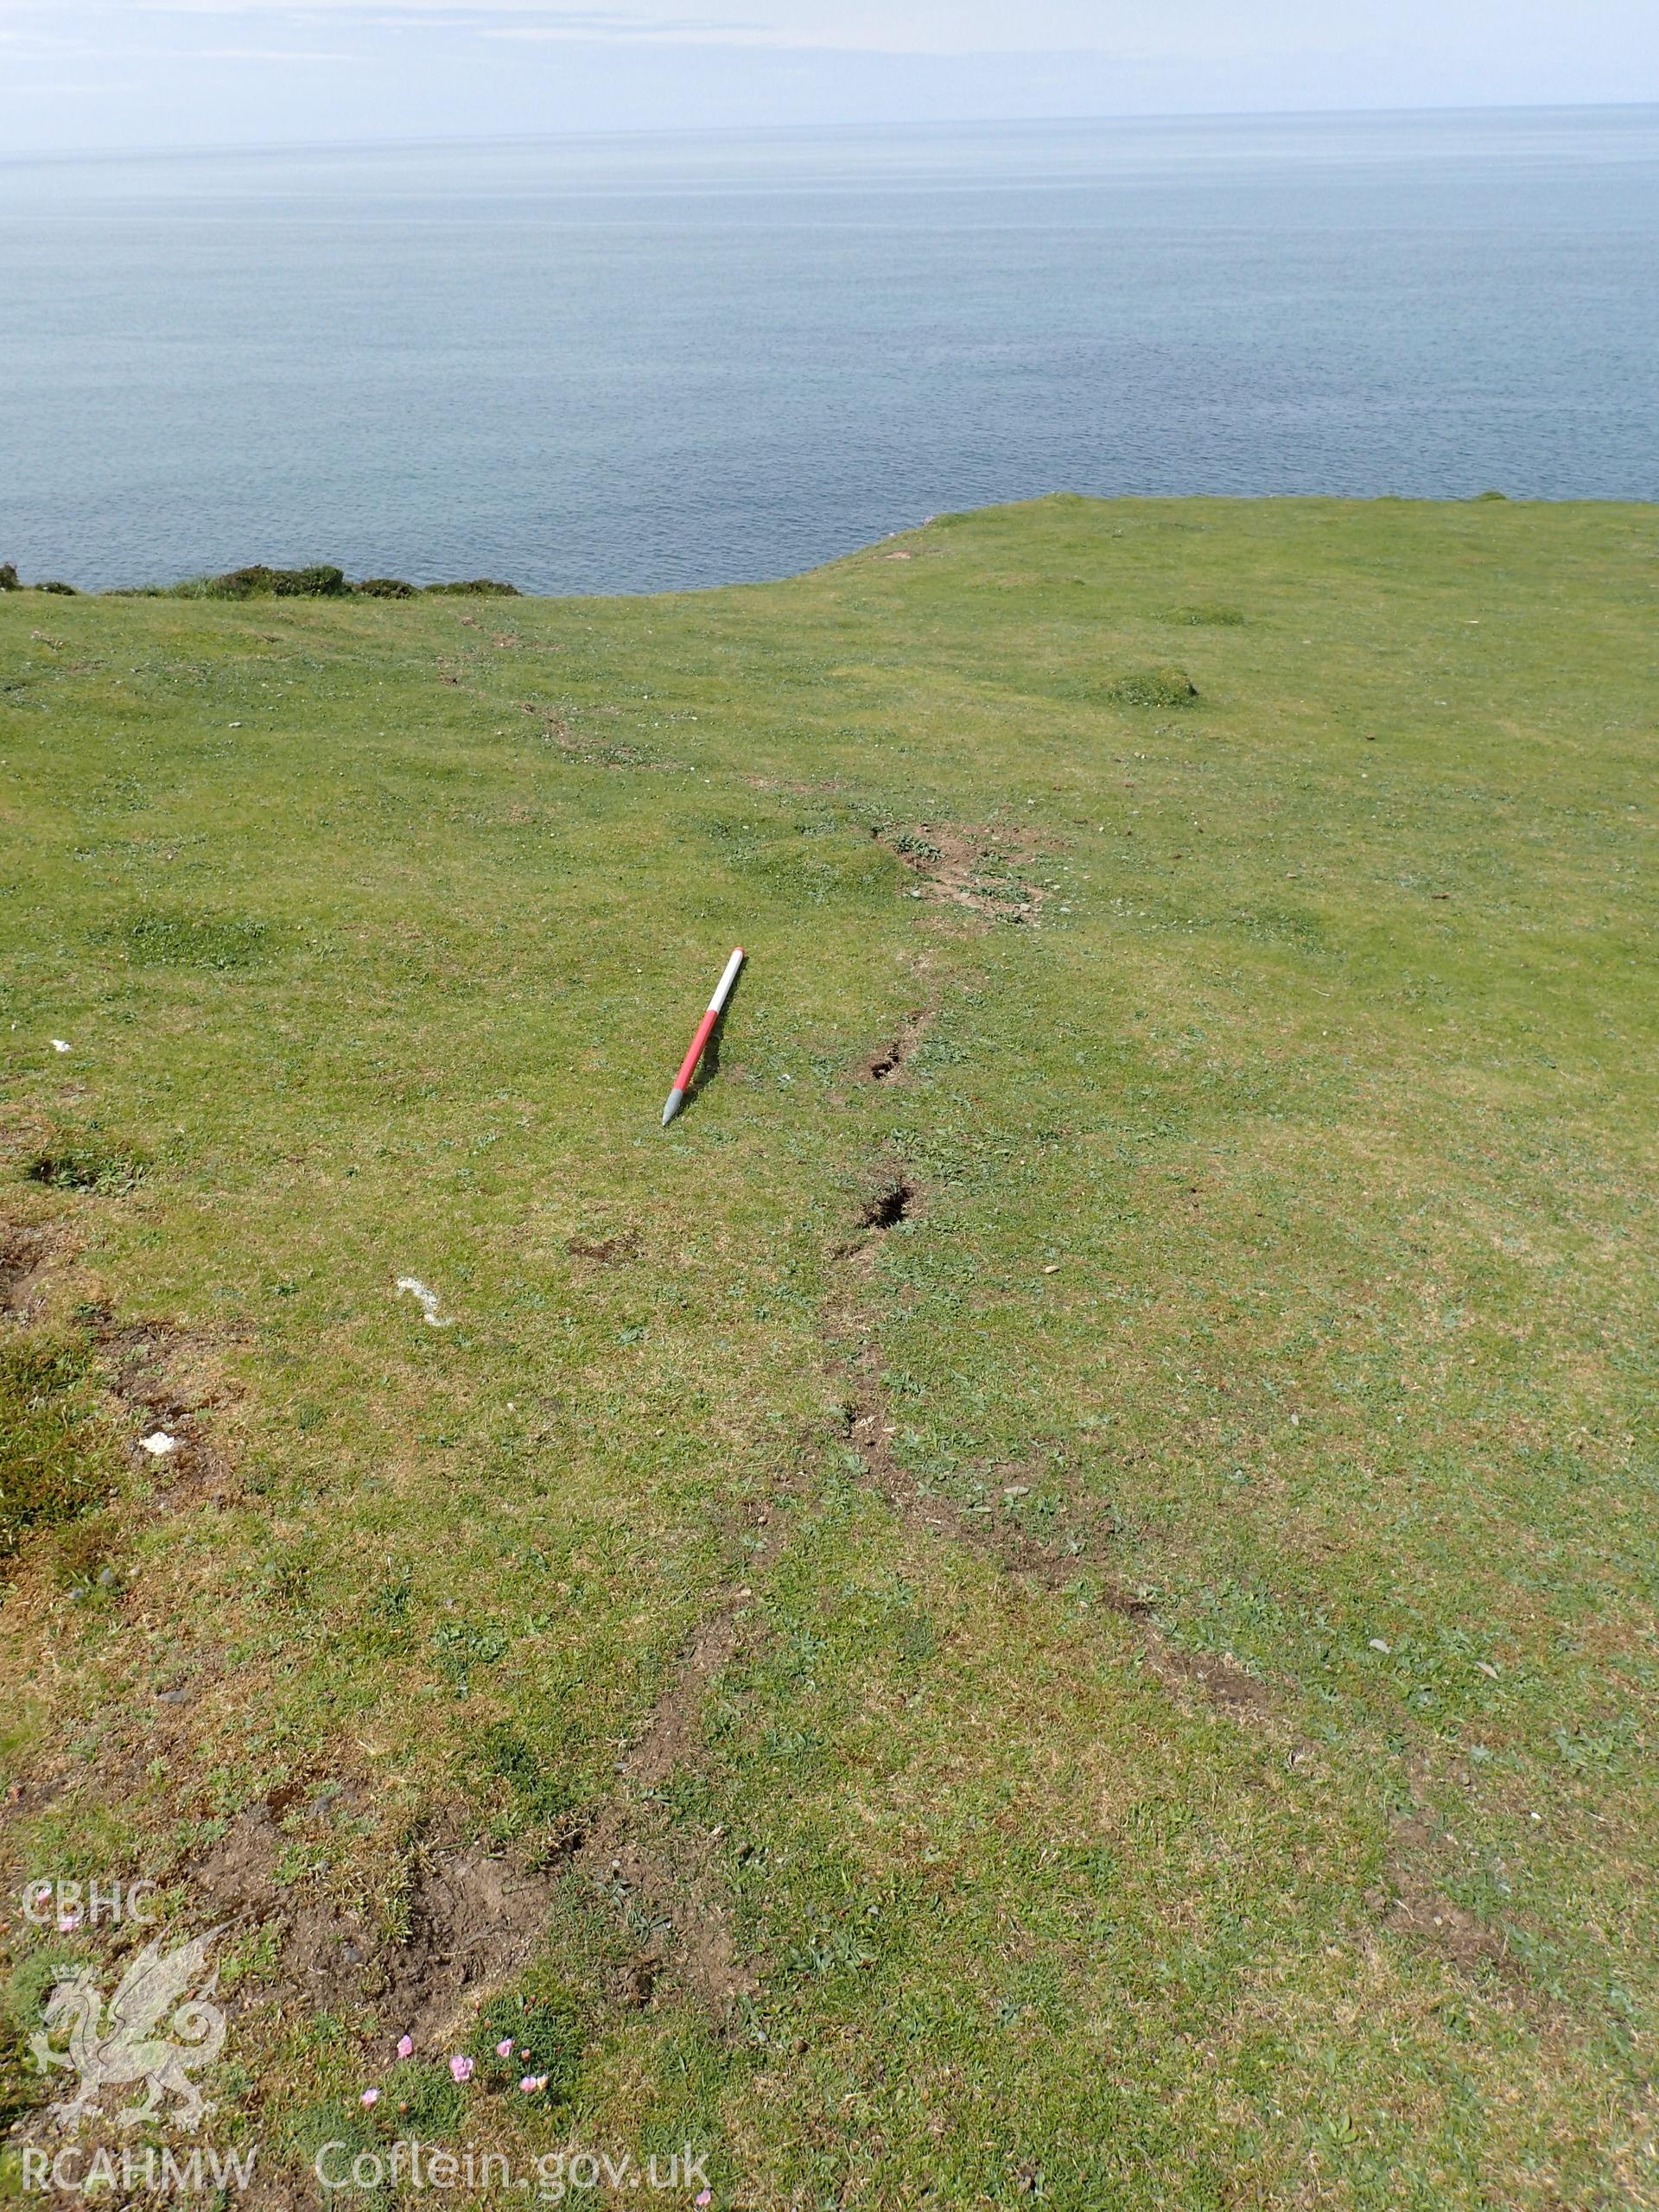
1153, 687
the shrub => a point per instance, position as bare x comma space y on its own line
384, 588
320, 582
63, 590
261, 582
479, 588
1153, 687
9, 576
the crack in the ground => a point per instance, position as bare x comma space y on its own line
887, 1063
869, 1430
664, 1886
889, 1204
1079, 1547
1418, 1909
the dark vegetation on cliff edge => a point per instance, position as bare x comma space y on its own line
319, 582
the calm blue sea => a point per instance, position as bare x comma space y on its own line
625, 365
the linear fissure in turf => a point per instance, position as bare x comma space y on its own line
888, 1062
663, 1886
868, 1430
886, 1207
1414, 1905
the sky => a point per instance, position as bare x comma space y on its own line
102, 75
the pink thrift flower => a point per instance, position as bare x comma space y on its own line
532, 2082
369, 2097
405, 2046
705, 2196
504, 2048
67, 1922
461, 2069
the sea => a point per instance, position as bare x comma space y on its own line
629, 364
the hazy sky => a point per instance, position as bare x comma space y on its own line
105, 73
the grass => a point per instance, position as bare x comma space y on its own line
1128, 1681
51, 1467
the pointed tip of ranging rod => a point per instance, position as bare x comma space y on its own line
676, 1099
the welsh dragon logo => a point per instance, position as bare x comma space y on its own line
134, 2038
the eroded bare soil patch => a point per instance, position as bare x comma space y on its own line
608, 1251
166, 1381
1421, 1911
472, 1919
556, 730
976, 870
669, 1899
26, 1256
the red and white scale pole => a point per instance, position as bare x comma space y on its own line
705, 1030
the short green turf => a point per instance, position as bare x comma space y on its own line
1283, 1207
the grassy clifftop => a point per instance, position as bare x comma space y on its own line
1052, 1596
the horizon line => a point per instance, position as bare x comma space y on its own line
219, 150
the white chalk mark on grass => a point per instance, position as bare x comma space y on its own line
413, 1286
